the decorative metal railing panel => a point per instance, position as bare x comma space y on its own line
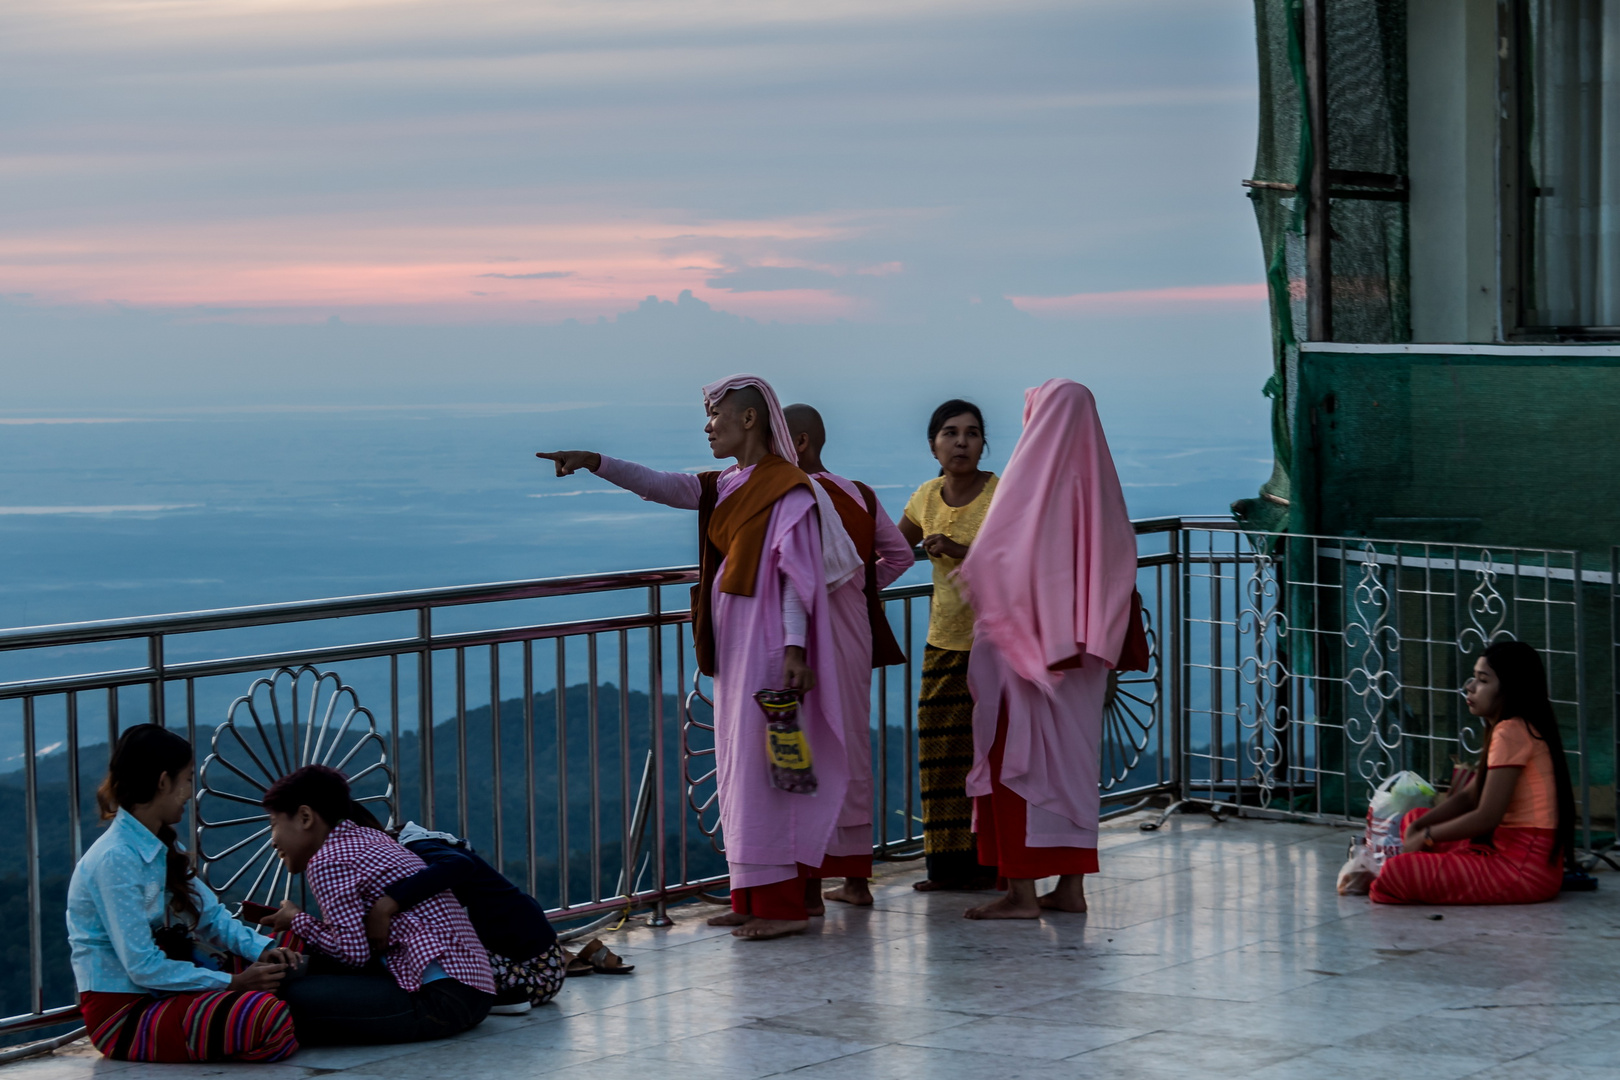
1314, 667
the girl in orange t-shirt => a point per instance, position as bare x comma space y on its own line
1505, 837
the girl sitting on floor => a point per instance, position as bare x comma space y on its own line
1505, 836
135, 914
523, 951
433, 979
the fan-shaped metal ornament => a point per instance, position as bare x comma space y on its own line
295, 717
702, 788
1130, 711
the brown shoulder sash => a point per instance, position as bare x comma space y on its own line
861, 524
732, 534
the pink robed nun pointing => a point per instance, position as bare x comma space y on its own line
771, 628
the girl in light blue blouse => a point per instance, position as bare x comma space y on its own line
134, 913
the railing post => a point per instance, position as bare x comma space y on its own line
655, 711
495, 754
154, 660
1580, 692
424, 710
1174, 637
36, 933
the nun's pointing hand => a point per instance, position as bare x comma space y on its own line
569, 462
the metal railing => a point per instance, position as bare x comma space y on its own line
556, 725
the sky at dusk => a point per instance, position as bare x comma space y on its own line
393, 200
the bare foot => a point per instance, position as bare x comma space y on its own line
853, 891
1070, 895
765, 929
730, 918
1054, 902
812, 898
1007, 907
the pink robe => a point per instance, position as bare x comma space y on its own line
767, 832
1050, 577
852, 636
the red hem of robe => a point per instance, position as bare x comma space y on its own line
845, 866
1002, 821
778, 900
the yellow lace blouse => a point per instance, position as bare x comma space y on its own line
950, 623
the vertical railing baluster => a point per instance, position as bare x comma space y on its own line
562, 770
462, 814
882, 785
593, 753
112, 719
908, 726
36, 930
1580, 692
495, 752
655, 716
154, 689
627, 807
74, 825
424, 712
395, 808
680, 700
1217, 729
529, 854
1173, 636
195, 847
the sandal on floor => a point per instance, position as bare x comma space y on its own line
604, 960
576, 965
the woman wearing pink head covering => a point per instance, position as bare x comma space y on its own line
765, 626
1051, 578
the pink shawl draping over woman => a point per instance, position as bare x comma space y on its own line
1050, 577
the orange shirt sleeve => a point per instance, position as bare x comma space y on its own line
1510, 745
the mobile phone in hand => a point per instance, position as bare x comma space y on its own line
253, 913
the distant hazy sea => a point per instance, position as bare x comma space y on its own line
109, 515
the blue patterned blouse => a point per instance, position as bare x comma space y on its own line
114, 902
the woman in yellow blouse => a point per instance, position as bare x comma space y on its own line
944, 516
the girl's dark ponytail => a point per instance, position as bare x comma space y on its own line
141, 757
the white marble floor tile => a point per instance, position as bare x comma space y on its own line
756, 1050
1023, 1036
1174, 1054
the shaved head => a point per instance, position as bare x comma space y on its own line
744, 398
804, 420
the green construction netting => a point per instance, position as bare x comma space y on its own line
1366, 65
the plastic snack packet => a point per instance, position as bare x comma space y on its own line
789, 750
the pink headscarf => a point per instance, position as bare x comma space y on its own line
839, 558
1051, 572
781, 440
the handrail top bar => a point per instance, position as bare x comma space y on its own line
190, 622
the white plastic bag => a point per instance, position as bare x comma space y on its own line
1402, 792
1357, 874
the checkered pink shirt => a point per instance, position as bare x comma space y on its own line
348, 875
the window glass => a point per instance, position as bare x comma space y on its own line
1571, 104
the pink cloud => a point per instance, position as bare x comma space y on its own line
574, 265
1134, 300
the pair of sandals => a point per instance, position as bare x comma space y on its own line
595, 958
